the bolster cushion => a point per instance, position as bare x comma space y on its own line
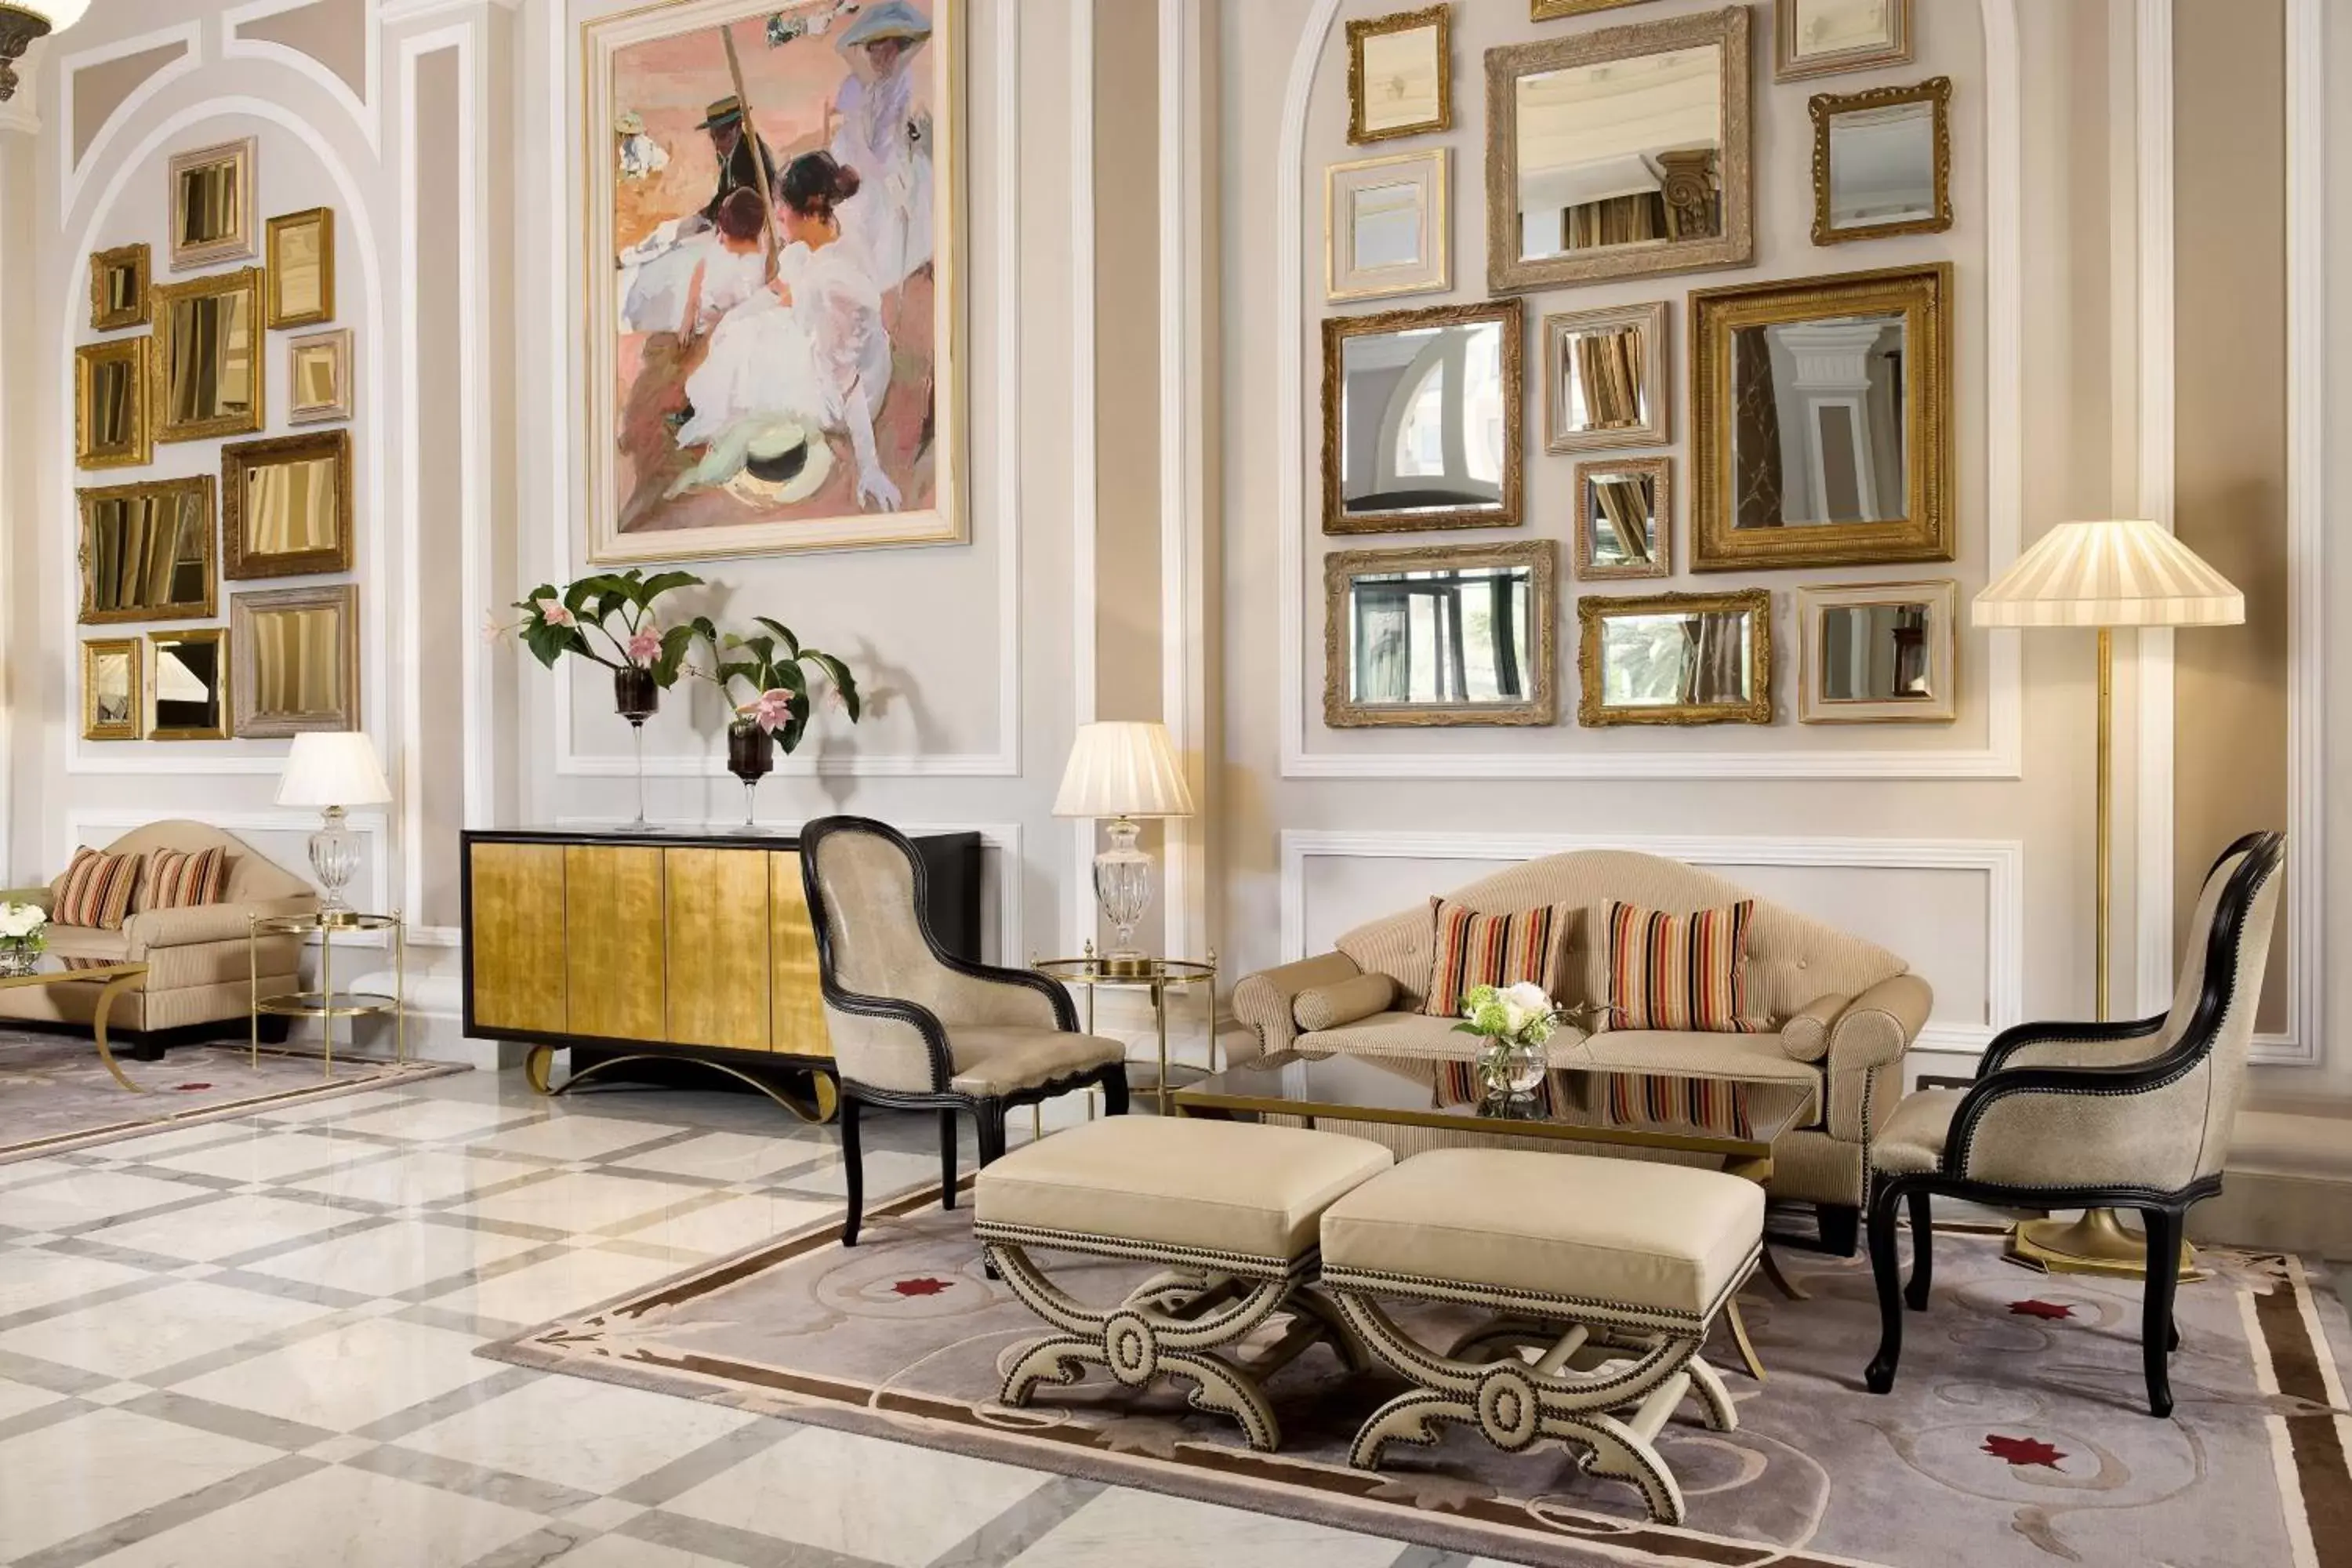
1344, 1002
1806, 1034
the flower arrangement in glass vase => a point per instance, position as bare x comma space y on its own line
1516, 1022
776, 671
24, 936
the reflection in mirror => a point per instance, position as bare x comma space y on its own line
1623, 514
1878, 652
1882, 165
290, 507
208, 347
1875, 653
1819, 422
118, 288
286, 508
146, 552
1422, 414
112, 385
1821, 37
211, 202
1678, 658
110, 689
191, 686
1385, 225
110, 404
1605, 383
1398, 73
1625, 151
1429, 637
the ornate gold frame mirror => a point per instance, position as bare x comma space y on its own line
1878, 653
1882, 161
212, 205
1624, 518
301, 259
110, 423
109, 688
209, 377
1421, 418
118, 288
1605, 381
1822, 410
1676, 658
1399, 74
1828, 37
1619, 152
286, 506
147, 552
188, 685
300, 650
1445, 635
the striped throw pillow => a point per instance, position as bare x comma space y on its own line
1680, 972
1472, 949
95, 889
179, 878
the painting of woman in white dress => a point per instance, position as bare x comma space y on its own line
773, 350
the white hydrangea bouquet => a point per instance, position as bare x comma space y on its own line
1516, 1022
24, 934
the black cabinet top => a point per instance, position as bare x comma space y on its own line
688, 835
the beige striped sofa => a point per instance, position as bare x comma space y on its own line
1844, 1010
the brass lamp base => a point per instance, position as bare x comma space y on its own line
2095, 1244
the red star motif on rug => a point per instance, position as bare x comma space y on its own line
2050, 1311
925, 1287
190, 1087
2022, 1451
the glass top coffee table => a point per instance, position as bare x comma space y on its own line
112, 979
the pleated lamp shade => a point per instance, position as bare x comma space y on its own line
2125, 572
1123, 770
326, 768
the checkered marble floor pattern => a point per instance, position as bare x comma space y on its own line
250, 1344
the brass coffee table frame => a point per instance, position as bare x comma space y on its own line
118, 978
323, 1004
1157, 975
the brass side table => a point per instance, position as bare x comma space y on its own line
326, 1003
1157, 975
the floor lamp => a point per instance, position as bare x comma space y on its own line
2102, 575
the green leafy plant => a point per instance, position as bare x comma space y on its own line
776, 670
559, 621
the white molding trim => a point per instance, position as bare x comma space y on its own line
2003, 757
2152, 808
365, 107
72, 171
1085, 432
2000, 861
401, 13
96, 825
1186, 230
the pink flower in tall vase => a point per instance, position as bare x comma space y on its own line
771, 709
552, 611
644, 644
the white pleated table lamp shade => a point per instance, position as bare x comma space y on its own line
58, 14
1123, 770
2125, 572
337, 767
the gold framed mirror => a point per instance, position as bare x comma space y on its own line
118, 279
1421, 418
300, 650
1878, 653
1822, 413
188, 685
212, 205
302, 266
1882, 161
1676, 658
1399, 74
286, 506
110, 423
1829, 37
208, 359
1624, 518
109, 688
147, 550
318, 375
1605, 381
1619, 152
1445, 635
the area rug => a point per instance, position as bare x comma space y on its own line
55, 1094
2017, 1431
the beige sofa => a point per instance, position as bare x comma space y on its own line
197, 976
1845, 1011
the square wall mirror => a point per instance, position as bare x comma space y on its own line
303, 269
299, 648
208, 373
212, 205
1619, 151
286, 506
118, 289
1624, 518
1605, 382
1384, 228
1676, 658
1448, 635
1878, 653
109, 688
110, 428
188, 693
1883, 163
1825, 37
147, 552
1421, 418
1399, 74
318, 370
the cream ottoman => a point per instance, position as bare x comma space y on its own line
1611, 1271
1231, 1209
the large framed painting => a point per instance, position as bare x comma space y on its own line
774, 304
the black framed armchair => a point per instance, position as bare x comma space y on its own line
915, 1027
2132, 1115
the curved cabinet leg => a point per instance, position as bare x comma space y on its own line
535, 1065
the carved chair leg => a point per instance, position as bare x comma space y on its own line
2164, 1228
853, 1166
1923, 1248
947, 1159
990, 1116
1840, 1228
1114, 1090
1879, 1377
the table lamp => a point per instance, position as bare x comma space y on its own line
2128, 572
332, 771
1123, 771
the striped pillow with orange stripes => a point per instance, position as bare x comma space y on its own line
95, 889
180, 879
1472, 949
1680, 972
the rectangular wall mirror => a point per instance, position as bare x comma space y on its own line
208, 374
1676, 658
303, 269
1421, 418
1825, 37
109, 688
1624, 518
1822, 425
1399, 74
1619, 151
1605, 382
147, 552
318, 367
188, 692
1883, 163
286, 506
1878, 653
1445, 634
1384, 228
212, 205
118, 289
299, 648
110, 428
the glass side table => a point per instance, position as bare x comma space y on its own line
1157, 976
327, 1004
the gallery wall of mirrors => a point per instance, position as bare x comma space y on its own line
188, 360
1620, 140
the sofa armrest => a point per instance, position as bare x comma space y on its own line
1805, 1036
1264, 1000
42, 896
152, 929
1878, 1026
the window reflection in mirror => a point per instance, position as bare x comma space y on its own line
1457, 636
191, 678
1677, 660
1818, 426
1625, 151
1424, 419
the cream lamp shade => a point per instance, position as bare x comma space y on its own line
333, 768
58, 14
1123, 770
2127, 573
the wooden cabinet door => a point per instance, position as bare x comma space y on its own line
799, 1023
514, 936
718, 930
613, 923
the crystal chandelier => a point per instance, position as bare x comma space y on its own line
22, 21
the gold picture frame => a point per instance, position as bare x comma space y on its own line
1507, 317
112, 429
1376, 65
1346, 276
301, 267
1593, 613
1558, 10
1837, 46
1653, 424
1708, 192
1531, 661
188, 689
1880, 104
111, 695
319, 377
300, 650
210, 374
211, 205
1921, 677
1920, 298
146, 552
1649, 556
119, 281
286, 506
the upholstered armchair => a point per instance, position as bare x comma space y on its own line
913, 1026
2125, 1115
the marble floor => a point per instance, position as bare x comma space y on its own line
250, 1344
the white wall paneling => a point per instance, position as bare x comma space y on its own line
71, 170
2152, 790
1078, 903
365, 107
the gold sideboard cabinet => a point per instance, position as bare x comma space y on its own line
628, 946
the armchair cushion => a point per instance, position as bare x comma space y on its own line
1000, 1061
1342, 1002
184, 927
1913, 1140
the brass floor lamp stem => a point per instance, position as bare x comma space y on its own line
2106, 852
